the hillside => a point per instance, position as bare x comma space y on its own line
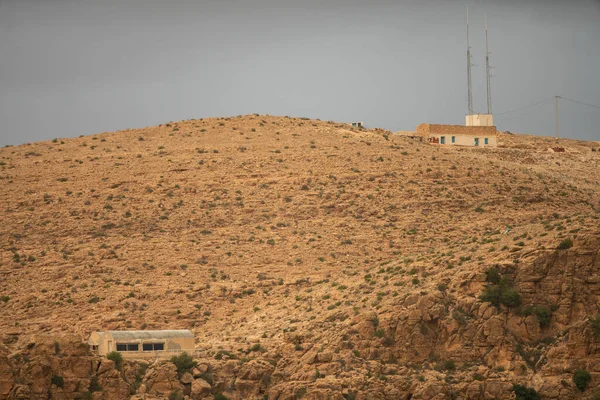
310, 259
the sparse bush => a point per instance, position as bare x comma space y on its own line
449, 365
176, 395
220, 396
183, 362
491, 294
525, 393
500, 292
510, 298
116, 357
595, 324
581, 378
58, 381
94, 385
565, 244
300, 393
542, 313
492, 275
257, 347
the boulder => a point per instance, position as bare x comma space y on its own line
200, 388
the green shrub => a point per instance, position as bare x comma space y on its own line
543, 314
300, 393
581, 378
116, 357
176, 395
58, 381
492, 275
565, 244
491, 294
525, 393
94, 385
500, 291
220, 396
449, 365
510, 298
595, 324
183, 362
478, 377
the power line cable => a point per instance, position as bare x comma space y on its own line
518, 115
522, 108
579, 102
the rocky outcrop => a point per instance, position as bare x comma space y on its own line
436, 345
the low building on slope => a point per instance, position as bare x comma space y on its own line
143, 344
458, 135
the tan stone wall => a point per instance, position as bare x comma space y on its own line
428, 130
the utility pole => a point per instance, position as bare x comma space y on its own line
556, 114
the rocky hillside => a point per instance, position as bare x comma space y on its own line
310, 259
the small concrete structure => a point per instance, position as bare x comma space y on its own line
357, 124
479, 120
458, 135
143, 344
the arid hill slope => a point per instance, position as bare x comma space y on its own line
352, 261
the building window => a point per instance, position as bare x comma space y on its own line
127, 347
442, 139
476, 142
95, 347
453, 139
153, 346
485, 141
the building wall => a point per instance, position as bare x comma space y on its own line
467, 140
479, 120
172, 346
464, 135
456, 130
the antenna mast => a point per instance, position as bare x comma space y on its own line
488, 76
470, 95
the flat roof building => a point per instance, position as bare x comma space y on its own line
458, 135
143, 344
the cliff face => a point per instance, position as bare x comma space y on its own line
434, 344
310, 259
441, 343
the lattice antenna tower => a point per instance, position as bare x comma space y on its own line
469, 64
488, 75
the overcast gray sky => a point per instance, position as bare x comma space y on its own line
73, 67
